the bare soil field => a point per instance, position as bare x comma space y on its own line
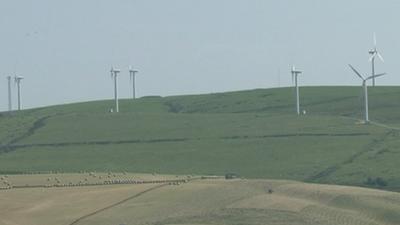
202, 201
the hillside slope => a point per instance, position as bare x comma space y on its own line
253, 133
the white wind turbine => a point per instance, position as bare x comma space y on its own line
132, 74
17, 80
374, 53
9, 94
114, 75
365, 87
295, 74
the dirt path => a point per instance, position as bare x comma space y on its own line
116, 204
384, 126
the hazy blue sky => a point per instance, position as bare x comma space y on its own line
65, 49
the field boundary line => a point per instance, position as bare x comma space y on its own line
76, 221
14, 147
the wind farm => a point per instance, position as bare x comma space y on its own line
207, 135
199, 113
251, 137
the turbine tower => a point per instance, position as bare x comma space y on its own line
114, 74
295, 74
132, 74
374, 53
17, 80
9, 94
365, 87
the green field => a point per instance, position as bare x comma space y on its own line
203, 201
252, 133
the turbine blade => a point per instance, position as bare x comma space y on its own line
380, 57
375, 76
374, 39
355, 71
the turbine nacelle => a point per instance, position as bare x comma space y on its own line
372, 52
17, 79
114, 72
295, 73
131, 70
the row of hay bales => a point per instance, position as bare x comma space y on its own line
109, 182
100, 179
5, 184
115, 182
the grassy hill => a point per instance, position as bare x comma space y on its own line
197, 202
253, 133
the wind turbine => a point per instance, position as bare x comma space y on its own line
365, 87
374, 53
295, 73
9, 94
132, 74
114, 74
17, 80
